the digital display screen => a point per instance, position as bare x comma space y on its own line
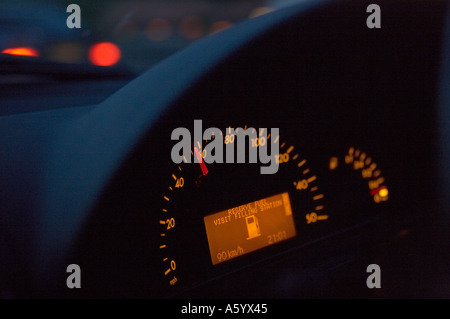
237, 231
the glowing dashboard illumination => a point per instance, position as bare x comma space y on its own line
383, 192
23, 51
237, 231
104, 54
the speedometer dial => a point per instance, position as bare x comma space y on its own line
225, 216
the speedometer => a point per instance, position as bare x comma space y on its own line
223, 216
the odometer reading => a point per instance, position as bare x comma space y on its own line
236, 231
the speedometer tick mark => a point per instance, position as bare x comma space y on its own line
301, 163
311, 179
318, 197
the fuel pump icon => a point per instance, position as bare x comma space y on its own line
252, 227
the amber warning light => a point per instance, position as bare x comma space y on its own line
237, 231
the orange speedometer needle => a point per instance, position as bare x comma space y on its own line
200, 161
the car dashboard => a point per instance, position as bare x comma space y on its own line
360, 118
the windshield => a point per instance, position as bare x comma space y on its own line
136, 33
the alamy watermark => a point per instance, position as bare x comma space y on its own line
240, 144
